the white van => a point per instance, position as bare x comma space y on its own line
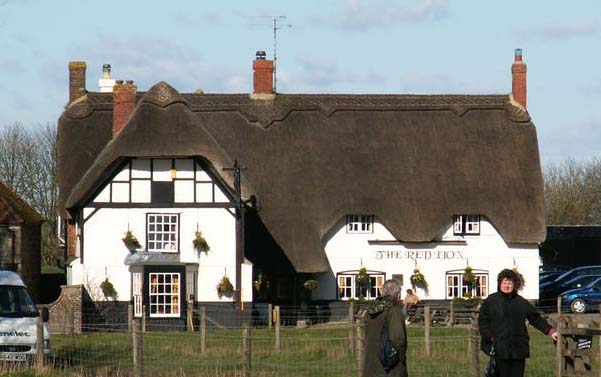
18, 320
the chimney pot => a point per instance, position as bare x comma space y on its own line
262, 74
129, 82
119, 82
518, 84
260, 55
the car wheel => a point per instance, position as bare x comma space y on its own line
578, 306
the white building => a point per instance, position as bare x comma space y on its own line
286, 188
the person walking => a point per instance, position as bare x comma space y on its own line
502, 323
387, 307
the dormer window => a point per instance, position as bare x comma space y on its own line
359, 224
466, 225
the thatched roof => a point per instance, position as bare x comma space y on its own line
14, 210
411, 160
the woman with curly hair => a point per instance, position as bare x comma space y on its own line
502, 323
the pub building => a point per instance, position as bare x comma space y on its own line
284, 189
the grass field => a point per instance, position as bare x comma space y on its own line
308, 352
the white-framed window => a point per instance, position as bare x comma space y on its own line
349, 288
458, 288
162, 231
164, 294
466, 224
359, 224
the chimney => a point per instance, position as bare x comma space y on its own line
262, 74
77, 80
106, 83
124, 102
518, 70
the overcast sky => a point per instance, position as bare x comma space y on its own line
354, 46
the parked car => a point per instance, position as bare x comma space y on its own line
550, 293
578, 271
553, 268
544, 277
584, 299
18, 320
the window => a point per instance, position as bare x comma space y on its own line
164, 294
359, 224
349, 288
162, 232
456, 287
466, 224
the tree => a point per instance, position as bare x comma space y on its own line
28, 165
573, 193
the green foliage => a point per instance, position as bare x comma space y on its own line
225, 287
200, 243
311, 284
130, 241
108, 290
418, 280
362, 277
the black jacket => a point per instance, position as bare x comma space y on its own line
502, 320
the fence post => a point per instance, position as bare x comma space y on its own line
143, 318
246, 349
427, 330
203, 330
360, 346
130, 316
451, 314
270, 316
39, 343
278, 345
190, 315
137, 347
558, 306
351, 327
473, 349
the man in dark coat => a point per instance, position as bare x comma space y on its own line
502, 322
387, 307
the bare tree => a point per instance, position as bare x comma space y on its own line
28, 165
573, 193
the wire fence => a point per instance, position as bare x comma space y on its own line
260, 343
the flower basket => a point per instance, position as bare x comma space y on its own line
311, 284
468, 276
418, 280
362, 277
131, 242
200, 243
225, 287
108, 290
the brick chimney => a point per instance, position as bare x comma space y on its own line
77, 80
518, 70
124, 102
262, 74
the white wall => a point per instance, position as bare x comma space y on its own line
104, 252
486, 251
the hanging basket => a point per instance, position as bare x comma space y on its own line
200, 243
225, 287
131, 242
418, 280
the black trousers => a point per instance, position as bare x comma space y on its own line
510, 367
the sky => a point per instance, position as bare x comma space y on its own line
331, 46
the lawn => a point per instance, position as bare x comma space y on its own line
304, 352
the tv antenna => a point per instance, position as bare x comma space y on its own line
276, 22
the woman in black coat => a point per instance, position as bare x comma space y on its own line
502, 322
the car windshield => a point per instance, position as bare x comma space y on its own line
15, 301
